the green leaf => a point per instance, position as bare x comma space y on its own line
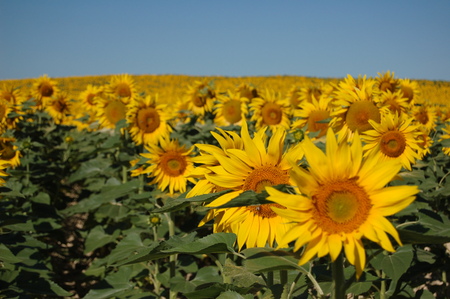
182, 202
214, 243
113, 285
97, 238
265, 259
90, 168
107, 194
234, 295
241, 276
7, 256
394, 264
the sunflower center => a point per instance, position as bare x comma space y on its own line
8, 96
7, 151
385, 85
90, 99
115, 111
263, 176
394, 106
173, 164
359, 113
393, 144
271, 114
123, 90
422, 117
264, 211
408, 92
313, 92
342, 206
148, 119
313, 121
199, 101
231, 111
46, 89
60, 105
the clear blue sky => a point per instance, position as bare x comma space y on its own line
228, 38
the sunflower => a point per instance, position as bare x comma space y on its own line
245, 90
230, 109
15, 98
445, 136
122, 87
314, 92
59, 107
311, 113
293, 97
425, 116
357, 105
5, 110
387, 82
169, 165
148, 120
89, 96
3, 165
410, 90
256, 165
395, 138
342, 198
9, 153
110, 110
270, 111
200, 98
424, 141
395, 102
43, 87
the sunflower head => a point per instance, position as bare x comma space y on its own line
122, 87
230, 109
44, 87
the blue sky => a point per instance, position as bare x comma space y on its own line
227, 38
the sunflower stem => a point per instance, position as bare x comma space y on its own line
338, 283
270, 278
383, 285
283, 277
173, 257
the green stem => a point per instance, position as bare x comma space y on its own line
173, 257
338, 284
141, 184
283, 277
270, 278
383, 285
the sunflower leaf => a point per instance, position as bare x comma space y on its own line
182, 202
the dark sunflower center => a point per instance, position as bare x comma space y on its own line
341, 206
199, 101
271, 114
393, 144
90, 99
173, 163
115, 111
386, 85
264, 176
123, 90
231, 111
60, 105
359, 113
148, 119
313, 121
2, 111
264, 211
422, 117
46, 90
7, 151
408, 92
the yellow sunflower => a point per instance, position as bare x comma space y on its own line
293, 97
200, 98
169, 165
230, 109
356, 105
43, 87
248, 91
311, 113
89, 96
270, 111
9, 153
148, 120
3, 165
445, 136
15, 98
110, 110
387, 82
5, 110
59, 107
410, 90
395, 138
122, 87
314, 92
342, 198
259, 163
395, 102
425, 116
424, 141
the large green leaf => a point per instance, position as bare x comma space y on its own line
266, 259
214, 243
394, 264
6, 256
97, 238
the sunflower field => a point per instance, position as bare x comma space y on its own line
172, 186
